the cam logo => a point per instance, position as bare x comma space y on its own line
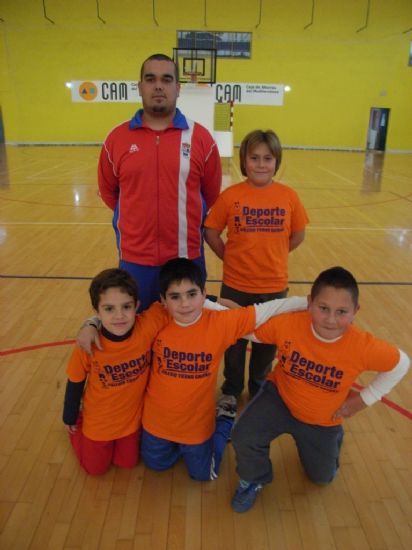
186, 149
88, 91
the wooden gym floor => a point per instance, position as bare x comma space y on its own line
55, 234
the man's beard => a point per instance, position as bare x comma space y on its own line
159, 109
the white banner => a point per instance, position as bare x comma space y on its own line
245, 93
241, 93
93, 91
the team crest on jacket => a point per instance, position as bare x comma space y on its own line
186, 149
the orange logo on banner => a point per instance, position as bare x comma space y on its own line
88, 91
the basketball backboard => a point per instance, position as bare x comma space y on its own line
196, 66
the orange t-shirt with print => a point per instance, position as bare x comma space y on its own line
313, 376
180, 398
260, 221
117, 378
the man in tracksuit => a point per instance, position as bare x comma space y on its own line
159, 172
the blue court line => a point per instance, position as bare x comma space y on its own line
71, 278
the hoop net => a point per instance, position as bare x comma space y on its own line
193, 77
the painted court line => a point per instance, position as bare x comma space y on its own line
387, 402
38, 346
55, 223
338, 176
391, 404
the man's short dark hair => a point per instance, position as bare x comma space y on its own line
178, 270
160, 57
336, 277
112, 278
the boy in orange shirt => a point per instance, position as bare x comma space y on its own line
308, 394
265, 221
107, 429
179, 419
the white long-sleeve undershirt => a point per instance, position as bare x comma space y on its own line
385, 381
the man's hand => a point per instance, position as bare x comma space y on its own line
87, 336
353, 404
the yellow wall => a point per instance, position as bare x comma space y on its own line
336, 73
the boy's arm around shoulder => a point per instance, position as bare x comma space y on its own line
219, 304
153, 319
275, 307
88, 335
281, 305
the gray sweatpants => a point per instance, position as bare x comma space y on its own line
264, 419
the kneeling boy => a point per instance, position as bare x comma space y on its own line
107, 429
308, 394
179, 417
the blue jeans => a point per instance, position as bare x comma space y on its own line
147, 278
161, 454
267, 417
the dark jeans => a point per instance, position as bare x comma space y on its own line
267, 417
262, 355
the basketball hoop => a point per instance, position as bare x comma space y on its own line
192, 76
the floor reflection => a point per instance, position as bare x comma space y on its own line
4, 171
372, 171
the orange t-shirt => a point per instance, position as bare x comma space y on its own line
314, 377
259, 224
117, 378
180, 398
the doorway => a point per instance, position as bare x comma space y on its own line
378, 129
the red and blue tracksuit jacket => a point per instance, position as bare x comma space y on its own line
159, 184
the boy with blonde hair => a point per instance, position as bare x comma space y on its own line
265, 221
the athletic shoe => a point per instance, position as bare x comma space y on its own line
226, 406
245, 496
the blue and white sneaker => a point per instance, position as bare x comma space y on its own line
226, 406
245, 496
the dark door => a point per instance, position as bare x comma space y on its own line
378, 128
